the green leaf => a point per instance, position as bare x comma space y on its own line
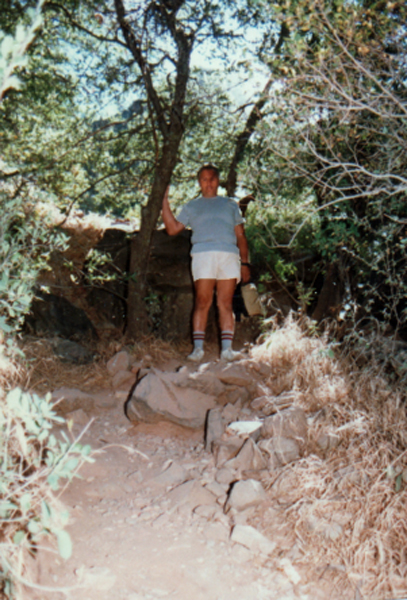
399, 482
18, 537
64, 543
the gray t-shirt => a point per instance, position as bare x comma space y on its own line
213, 222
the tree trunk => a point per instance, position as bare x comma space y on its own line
138, 322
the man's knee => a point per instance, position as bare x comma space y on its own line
203, 302
224, 304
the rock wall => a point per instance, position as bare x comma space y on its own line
76, 308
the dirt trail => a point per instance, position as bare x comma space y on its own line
135, 540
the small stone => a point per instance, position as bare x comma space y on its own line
248, 458
262, 369
72, 352
119, 362
123, 380
234, 395
235, 375
230, 412
67, 400
216, 488
191, 493
287, 450
208, 511
79, 417
252, 539
246, 429
288, 423
245, 494
96, 578
173, 475
328, 441
224, 450
217, 532
214, 427
206, 381
225, 476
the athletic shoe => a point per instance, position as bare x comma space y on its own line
230, 355
197, 355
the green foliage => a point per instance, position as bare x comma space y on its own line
13, 49
33, 461
337, 129
25, 244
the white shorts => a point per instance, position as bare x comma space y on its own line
215, 265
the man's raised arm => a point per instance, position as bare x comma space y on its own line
172, 226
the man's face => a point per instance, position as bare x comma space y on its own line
209, 183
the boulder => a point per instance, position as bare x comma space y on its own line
155, 398
245, 494
119, 362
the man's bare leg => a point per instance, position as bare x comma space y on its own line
225, 288
203, 300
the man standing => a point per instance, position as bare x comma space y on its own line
219, 257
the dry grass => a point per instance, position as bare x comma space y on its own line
45, 372
155, 351
347, 505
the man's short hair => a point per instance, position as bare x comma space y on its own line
208, 167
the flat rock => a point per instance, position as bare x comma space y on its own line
246, 429
252, 539
67, 400
119, 362
234, 375
245, 494
156, 398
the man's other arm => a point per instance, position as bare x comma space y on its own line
243, 246
172, 226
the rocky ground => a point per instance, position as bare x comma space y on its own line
173, 509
